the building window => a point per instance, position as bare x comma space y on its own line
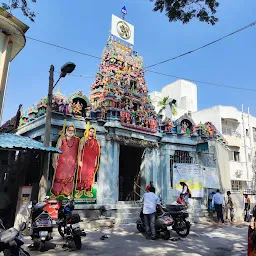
249, 157
254, 133
236, 156
247, 132
179, 157
236, 185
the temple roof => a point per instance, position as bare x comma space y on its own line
17, 142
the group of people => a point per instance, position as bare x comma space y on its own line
184, 195
219, 204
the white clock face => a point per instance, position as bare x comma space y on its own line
123, 30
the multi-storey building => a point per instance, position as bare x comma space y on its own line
183, 92
239, 130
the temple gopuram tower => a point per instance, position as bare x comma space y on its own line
119, 90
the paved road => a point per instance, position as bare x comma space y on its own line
126, 240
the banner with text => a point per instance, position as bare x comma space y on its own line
211, 177
192, 175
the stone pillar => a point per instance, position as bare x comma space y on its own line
165, 174
155, 165
115, 171
146, 170
108, 172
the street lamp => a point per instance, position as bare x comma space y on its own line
65, 69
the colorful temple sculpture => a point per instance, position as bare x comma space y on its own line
13, 123
79, 106
120, 91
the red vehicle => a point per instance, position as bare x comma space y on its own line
52, 207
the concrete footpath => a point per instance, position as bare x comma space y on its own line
215, 240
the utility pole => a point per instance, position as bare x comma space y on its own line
245, 148
251, 147
43, 185
48, 118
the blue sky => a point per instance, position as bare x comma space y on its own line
84, 25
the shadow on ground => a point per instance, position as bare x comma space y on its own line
126, 240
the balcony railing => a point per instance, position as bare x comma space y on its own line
231, 133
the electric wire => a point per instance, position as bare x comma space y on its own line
152, 71
202, 82
203, 46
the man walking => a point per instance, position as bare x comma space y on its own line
218, 203
150, 202
229, 206
247, 203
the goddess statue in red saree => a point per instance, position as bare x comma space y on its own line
88, 162
65, 164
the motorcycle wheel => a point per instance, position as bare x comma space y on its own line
23, 252
41, 246
186, 227
140, 228
15, 251
61, 232
166, 235
78, 242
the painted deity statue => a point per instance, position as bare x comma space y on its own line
88, 162
65, 164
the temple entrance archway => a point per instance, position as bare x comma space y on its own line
129, 171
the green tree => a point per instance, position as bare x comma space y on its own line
22, 5
163, 103
186, 10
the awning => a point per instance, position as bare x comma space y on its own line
17, 142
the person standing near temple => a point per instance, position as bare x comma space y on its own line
247, 203
185, 190
65, 164
88, 162
218, 203
150, 203
229, 206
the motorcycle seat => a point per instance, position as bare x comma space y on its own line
175, 212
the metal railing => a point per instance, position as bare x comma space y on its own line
135, 193
231, 133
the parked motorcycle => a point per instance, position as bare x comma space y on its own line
68, 225
163, 225
181, 222
171, 220
11, 241
41, 225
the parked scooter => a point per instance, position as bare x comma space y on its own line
68, 225
163, 224
41, 226
171, 220
11, 241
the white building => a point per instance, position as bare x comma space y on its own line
185, 94
12, 40
239, 129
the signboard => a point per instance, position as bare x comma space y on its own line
191, 174
122, 29
211, 177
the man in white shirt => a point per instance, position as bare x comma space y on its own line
150, 202
218, 202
